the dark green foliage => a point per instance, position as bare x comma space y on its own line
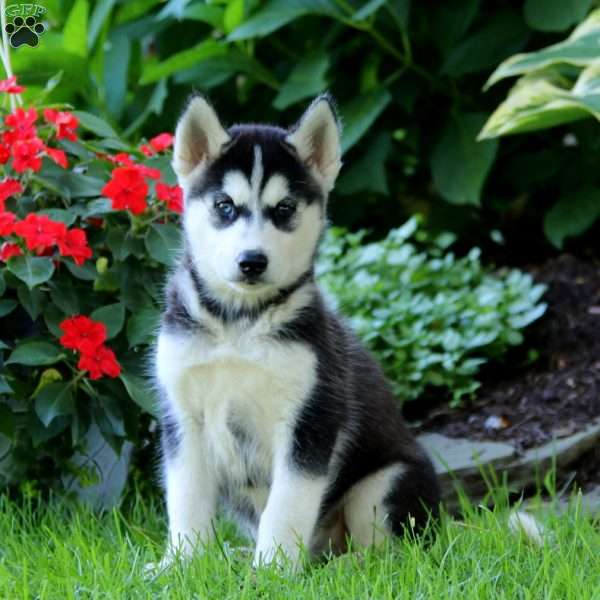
408, 77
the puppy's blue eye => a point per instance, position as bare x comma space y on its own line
225, 207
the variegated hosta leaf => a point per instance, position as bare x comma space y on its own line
543, 99
581, 48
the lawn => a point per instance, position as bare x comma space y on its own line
59, 551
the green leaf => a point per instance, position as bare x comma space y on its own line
234, 15
142, 326
368, 9
75, 29
86, 272
54, 400
460, 163
113, 316
32, 300
32, 270
555, 15
154, 106
64, 295
69, 183
163, 242
182, 60
572, 215
140, 392
306, 79
95, 124
372, 162
206, 13
499, 37
6, 307
539, 100
100, 14
359, 114
35, 353
7, 421
579, 49
450, 21
67, 217
4, 387
116, 64
277, 13
2, 284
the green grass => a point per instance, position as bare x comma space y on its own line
60, 551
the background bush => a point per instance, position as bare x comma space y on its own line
409, 79
431, 318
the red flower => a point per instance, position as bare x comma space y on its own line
101, 362
127, 189
4, 153
39, 232
172, 195
7, 223
65, 122
8, 250
122, 158
21, 122
83, 334
9, 187
148, 171
74, 244
58, 156
10, 86
26, 154
147, 150
157, 144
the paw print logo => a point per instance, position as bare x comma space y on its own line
24, 31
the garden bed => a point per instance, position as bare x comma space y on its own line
556, 395
530, 404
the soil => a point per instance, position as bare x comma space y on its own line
530, 403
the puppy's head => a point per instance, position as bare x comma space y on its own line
255, 195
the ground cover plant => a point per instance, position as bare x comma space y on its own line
432, 319
56, 551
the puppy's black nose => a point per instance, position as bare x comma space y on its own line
252, 263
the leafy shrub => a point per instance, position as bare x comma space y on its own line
558, 84
408, 77
86, 236
430, 317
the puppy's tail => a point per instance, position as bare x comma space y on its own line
522, 523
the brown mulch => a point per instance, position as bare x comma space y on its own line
530, 403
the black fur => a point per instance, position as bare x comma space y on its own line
277, 157
251, 312
352, 399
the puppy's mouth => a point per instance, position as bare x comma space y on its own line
250, 285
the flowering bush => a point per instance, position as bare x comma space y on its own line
87, 228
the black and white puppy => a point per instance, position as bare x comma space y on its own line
270, 405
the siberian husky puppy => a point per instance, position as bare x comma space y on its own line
270, 406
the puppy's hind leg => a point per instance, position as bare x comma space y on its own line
390, 500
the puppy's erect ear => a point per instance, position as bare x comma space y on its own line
316, 138
198, 138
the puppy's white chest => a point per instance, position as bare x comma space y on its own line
244, 391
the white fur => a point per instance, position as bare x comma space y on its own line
231, 374
216, 251
364, 509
